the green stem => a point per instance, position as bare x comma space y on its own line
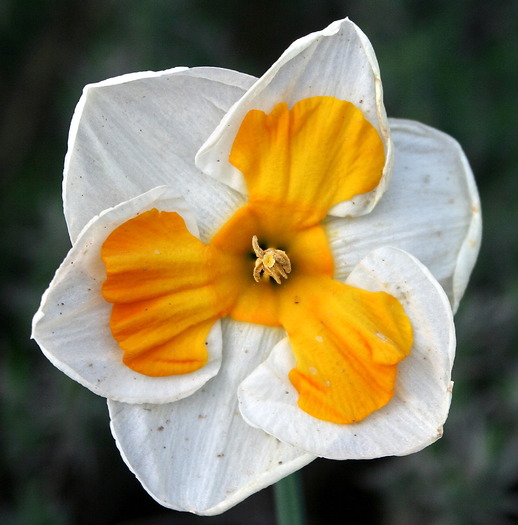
289, 502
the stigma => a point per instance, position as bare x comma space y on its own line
270, 263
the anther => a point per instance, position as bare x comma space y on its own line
270, 263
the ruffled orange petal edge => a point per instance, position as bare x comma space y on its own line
167, 291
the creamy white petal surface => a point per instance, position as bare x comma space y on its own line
431, 209
413, 418
198, 454
134, 132
72, 325
337, 62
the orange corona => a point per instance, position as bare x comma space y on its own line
270, 264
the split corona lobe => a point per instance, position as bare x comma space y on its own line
269, 264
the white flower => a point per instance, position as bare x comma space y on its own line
209, 400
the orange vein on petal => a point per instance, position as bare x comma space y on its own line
167, 291
307, 159
347, 343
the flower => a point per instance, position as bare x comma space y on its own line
262, 271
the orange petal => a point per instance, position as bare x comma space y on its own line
300, 162
347, 343
166, 288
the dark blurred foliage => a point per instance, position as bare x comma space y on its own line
453, 65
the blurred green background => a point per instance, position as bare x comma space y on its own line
450, 64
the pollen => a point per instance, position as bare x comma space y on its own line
270, 263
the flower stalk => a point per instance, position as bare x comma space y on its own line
289, 500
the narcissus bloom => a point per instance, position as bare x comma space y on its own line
262, 271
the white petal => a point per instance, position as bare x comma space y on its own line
198, 454
338, 62
431, 209
72, 323
413, 418
134, 132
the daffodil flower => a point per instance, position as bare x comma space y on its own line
262, 271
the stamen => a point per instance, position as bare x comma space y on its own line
270, 263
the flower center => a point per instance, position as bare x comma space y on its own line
270, 263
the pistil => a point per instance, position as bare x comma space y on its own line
270, 263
